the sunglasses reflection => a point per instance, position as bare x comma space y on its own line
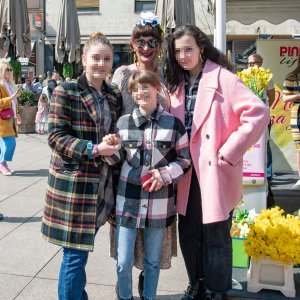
141, 43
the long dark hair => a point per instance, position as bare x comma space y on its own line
173, 72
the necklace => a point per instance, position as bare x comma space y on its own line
154, 70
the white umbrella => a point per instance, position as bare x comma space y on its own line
174, 13
68, 33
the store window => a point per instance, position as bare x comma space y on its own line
87, 5
144, 5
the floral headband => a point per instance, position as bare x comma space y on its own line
148, 18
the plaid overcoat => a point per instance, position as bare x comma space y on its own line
72, 205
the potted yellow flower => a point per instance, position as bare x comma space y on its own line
273, 244
256, 79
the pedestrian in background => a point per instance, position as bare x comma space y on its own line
80, 191
42, 114
38, 85
223, 118
291, 93
269, 97
27, 86
52, 83
8, 117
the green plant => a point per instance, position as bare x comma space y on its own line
17, 68
242, 220
67, 70
26, 98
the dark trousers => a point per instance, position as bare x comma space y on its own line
206, 248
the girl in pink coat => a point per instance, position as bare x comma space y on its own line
42, 114
223, 119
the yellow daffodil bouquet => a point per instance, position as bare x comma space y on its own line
242, 220
274, 235
256, 79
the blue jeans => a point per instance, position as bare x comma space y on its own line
72, 278
153, 238
7, 148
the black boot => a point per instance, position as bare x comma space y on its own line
196, 292
191, 293
218, 296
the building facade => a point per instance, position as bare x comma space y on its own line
36, 20
117, 18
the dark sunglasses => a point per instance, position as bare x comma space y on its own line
254, 63
141, 43
8, 70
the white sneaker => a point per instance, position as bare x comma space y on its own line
4, 171
296, 186
7, 168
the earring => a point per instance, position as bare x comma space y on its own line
135, 59
201, 57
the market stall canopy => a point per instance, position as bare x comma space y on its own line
273, 11
68, 34
174, 13
14, 27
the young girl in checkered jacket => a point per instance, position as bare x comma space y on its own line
155, 156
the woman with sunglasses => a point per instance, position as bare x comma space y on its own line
8, 124
146, 40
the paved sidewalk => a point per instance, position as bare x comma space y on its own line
29, 266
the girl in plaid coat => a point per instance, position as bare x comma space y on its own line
156, 156
80, 193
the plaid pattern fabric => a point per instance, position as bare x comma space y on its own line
291, 86
158, 142
190, 100
80, 194
103, 112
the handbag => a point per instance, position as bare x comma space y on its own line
6, 113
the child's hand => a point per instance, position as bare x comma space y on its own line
155, 181
105, 149
111, 139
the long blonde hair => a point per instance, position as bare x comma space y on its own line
3, 67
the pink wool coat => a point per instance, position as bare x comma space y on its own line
228, 119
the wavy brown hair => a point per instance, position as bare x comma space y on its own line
173, 72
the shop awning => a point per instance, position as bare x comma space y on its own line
273, 11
